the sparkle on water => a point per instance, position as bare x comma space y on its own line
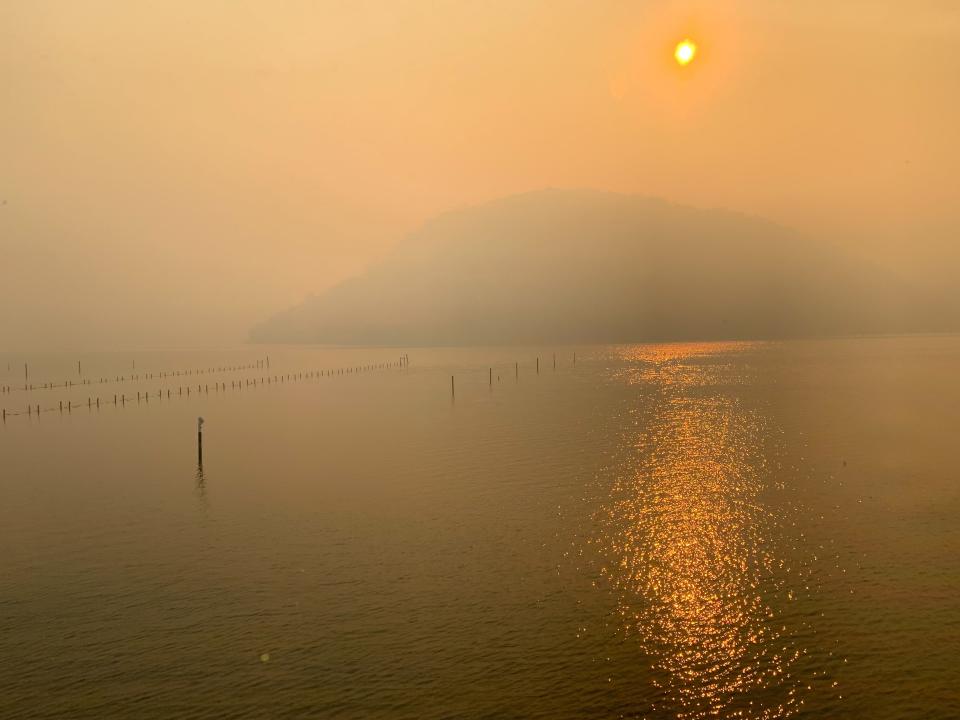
690, 541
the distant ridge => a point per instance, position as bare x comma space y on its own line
588, 266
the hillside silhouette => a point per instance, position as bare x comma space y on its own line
586, 266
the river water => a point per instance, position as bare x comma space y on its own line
723, 530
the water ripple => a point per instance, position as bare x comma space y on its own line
690, 544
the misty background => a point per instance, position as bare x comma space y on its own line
584, 266
179, 173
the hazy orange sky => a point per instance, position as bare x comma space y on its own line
174, 172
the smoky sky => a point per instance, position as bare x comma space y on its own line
177, 172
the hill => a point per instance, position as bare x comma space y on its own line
585, 266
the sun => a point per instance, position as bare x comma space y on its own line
685, 52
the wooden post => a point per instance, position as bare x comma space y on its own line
574, 359
516, 370
491, 377
538, 365
453, 392
200, 441
554, 361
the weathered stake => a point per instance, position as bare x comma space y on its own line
199, 441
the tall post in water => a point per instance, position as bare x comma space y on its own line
453, 392
200, 441
538, 365
491, 377
554, 361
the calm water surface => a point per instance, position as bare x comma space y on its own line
729, 530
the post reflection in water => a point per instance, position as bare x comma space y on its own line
690, 546
200, 480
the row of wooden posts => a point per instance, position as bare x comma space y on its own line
28, 386
234, 385
122, 400
516, 372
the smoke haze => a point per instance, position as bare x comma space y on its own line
177, 173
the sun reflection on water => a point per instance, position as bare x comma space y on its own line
688, 541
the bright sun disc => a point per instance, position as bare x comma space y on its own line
685, 52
